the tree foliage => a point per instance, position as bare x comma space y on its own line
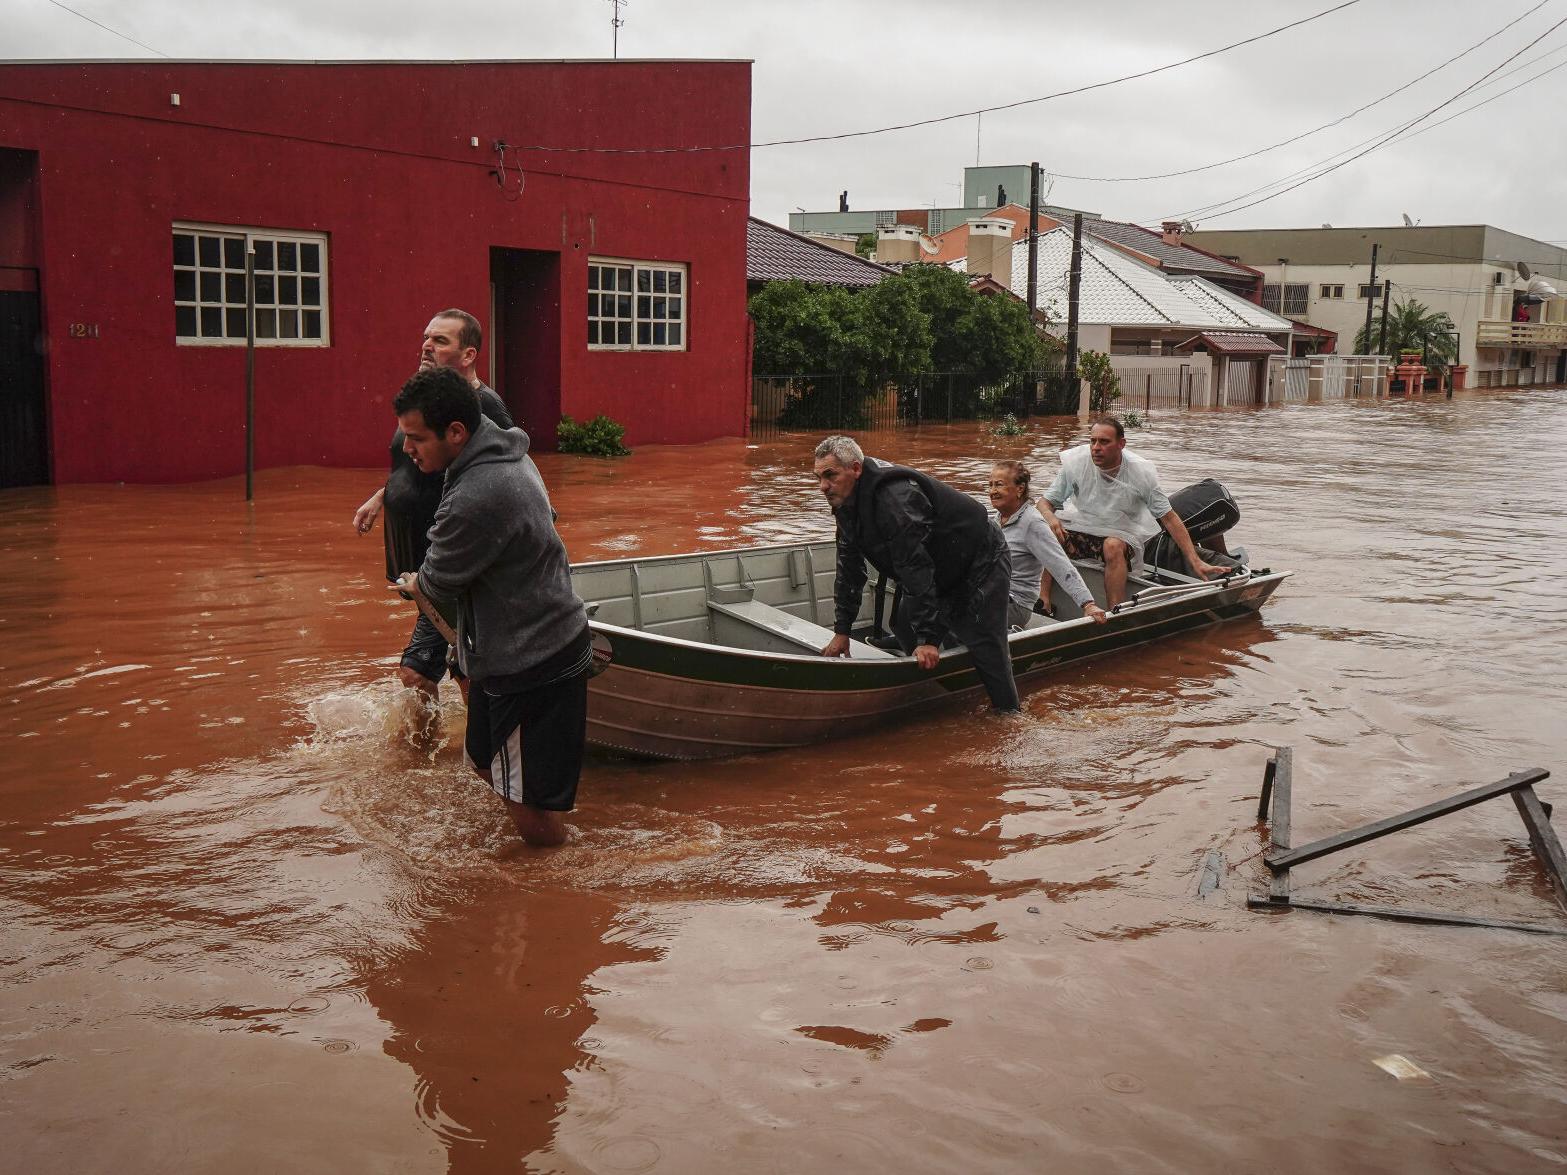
925, 318
1412, 326
1104, 386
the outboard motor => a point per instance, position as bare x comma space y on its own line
1208, 511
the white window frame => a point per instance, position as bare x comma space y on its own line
270, 280
1331, 290
637, 303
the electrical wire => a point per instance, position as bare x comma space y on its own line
1128, 179
903, 126
107, 29
1383, 141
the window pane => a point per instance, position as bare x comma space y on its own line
660, 334
593, 333
623, 306
185, 322
211, 322
184, 285
624, 278
593, 277
644, 281
593, 305
310, 291
310, 258
644, 305
184, 249
674, 334
288, 324
212, 287
210, 250
287, 256
644, 334
266, 324
310, 327
675, 279
233, 253
623, 334
660, 280
676, 307
263, 254
234, 289
288, 290
660, 308
265, 291
235, 322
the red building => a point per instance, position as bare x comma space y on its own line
372, 194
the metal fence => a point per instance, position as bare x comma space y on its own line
1145, 386
781, 403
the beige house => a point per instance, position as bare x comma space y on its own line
1478, 274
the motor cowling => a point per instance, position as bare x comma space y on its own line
1208, 510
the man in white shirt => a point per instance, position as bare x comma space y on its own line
1116, 499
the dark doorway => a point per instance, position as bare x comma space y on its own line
24, 437
24, 457
525, 343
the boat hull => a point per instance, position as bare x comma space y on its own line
670, 698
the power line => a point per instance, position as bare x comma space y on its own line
903, 126
1127, 179
1456, 114
107, 29
1384, 141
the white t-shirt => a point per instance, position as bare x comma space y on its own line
1126, 504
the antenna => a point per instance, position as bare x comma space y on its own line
615, 22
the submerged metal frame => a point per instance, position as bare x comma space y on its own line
1274, 807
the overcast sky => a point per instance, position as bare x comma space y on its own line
825, 67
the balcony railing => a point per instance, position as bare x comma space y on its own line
1500, 333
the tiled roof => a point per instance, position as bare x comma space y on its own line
1116, 290
953, 243
1177, 258
1230, 309
775, 254
1221, 343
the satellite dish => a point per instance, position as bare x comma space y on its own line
1523, 270
1407, 222
929, 247
1186, 227
1325, 224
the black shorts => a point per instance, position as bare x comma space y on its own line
532, 740
426, 651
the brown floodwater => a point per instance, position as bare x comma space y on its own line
256, 917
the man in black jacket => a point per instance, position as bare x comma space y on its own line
948, 557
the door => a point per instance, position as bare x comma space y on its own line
24, 455
525, 337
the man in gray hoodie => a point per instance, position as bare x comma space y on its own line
522, 633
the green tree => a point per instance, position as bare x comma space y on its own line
865, 245
1104, 386
1412, 326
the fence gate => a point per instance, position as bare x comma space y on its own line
1240, 381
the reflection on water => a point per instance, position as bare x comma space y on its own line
254, 908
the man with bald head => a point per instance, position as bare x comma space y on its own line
409, 497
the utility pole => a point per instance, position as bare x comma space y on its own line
1387, 288
1371, 295
1033, 239
1073, 286
615, 22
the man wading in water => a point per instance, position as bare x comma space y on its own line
522, 633
410, 497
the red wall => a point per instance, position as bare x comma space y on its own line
377, 156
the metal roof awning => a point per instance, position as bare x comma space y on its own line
1224, 343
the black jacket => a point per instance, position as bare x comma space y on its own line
917, 530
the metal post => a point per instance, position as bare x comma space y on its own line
250, 373
1033, 240
1371, 294
1073, 287
1387, 288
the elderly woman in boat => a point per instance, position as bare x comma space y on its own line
1037, 557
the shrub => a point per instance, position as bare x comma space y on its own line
599, 437
1008, 426
1104, 386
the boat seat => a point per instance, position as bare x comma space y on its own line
791, 629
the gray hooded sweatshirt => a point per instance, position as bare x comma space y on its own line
495, 552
